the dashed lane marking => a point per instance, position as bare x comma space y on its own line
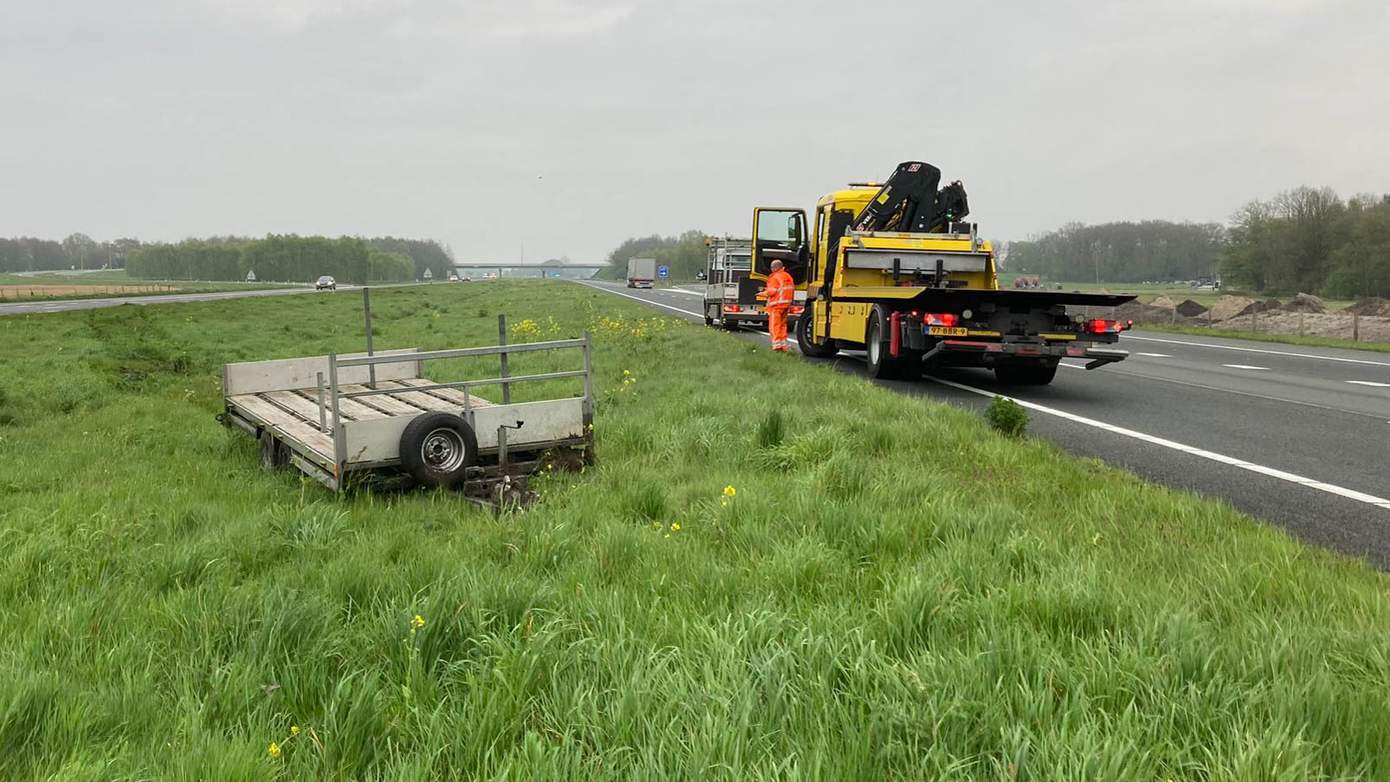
1246, 366
1371, 383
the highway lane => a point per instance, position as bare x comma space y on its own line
1296, 435
67, 305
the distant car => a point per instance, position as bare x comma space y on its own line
326, 283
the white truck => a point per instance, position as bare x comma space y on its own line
641, 272
730, 295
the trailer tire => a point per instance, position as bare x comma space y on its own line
803, 336
437, 449
1015, 375
881, 365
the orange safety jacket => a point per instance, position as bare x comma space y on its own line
780, 291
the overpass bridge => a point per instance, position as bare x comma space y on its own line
570, 271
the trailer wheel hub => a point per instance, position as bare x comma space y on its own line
443, 449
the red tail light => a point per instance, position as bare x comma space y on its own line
1102, 326
731, 308
947, 319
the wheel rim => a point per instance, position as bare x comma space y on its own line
443, 450
874, 347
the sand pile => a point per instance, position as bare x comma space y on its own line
1229, 306
1373, 306
1305, 302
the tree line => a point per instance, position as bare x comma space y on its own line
276, 258
290, 258
1152, 250
1313, 241
1303, 240
684, 254
77, 251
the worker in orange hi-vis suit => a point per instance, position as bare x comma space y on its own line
779, 293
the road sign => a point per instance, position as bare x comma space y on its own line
663, 271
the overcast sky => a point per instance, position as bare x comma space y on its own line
569, 125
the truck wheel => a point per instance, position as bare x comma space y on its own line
728, 325
437, 449
709, 319
826, 349
1015, 375
881, 366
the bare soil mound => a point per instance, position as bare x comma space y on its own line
1305, 302
1191, 309
1229, 306
1373, 306
1164, 302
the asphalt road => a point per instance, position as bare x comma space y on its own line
1295, 435
66, 305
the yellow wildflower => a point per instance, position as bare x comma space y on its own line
417, 622
294, 730
675, 526
274, 749
730, 491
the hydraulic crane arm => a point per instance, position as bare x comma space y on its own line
910, 202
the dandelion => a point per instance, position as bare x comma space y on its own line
294, 730
675, 526
730, 491
274, 749
417, 623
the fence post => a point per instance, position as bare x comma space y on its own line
1355, 327
502, 341
1175, 317
1300, 324
1254, 321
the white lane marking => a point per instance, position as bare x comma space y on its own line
1154, 355
1246, 366
683, 290
1369, 383
1351, 494
1218, 389
638, 298
1259, 350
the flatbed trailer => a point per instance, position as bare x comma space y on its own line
342, 417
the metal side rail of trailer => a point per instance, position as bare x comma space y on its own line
341, 417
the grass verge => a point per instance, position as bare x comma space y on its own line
862, 586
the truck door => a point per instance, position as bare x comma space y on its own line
780, 234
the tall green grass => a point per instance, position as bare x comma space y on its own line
892, 591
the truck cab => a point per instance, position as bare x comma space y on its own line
892, 269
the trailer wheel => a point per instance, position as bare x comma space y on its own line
826, 349
437, 449
881, 365
1015, 375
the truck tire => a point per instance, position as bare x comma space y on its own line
1025, 375
808, 348
709, 319
437, 449
881, 366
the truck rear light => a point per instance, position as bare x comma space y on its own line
1102, 326
732, 308
946, 319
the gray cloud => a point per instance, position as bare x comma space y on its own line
569, 125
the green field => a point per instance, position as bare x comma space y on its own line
892, 591
113, 278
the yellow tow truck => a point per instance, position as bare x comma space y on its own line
893, 270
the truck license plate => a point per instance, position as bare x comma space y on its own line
943, 331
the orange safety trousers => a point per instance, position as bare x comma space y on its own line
777, 327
